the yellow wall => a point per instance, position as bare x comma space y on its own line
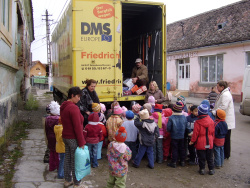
38, 68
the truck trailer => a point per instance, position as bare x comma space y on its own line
101, 39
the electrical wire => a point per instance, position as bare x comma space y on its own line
39, 47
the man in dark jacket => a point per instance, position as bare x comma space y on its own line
139, 73
148, 131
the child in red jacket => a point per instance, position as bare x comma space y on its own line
203, 136
93, 135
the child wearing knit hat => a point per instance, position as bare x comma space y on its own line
160, 120
203, 137
114, 121
60, 148
148, 131
177, 126
93, 135
167, 112
118, 156
191, 120
132, 132
96, 107
50, 122
221, 129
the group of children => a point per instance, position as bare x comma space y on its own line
161, 133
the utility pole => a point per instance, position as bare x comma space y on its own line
48, 47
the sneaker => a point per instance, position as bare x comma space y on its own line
46, 159
211, 172
173, 165
67, 184
95, 166
150, 166
134, 165
217, 167
202, 171
182, 163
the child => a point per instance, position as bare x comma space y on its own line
148, 107
212, 96
220, 133
46, 155
124, 109
50, 122
151, 100
166, 135
177, 125
191, 120
96, 107
118, 156
60, 148
114, 122
93, 134
148, 131
104, 135
158, 146
206, 102
183, 100
132, 133
203, 136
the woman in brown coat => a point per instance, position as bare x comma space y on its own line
155, 92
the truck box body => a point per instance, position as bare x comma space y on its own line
100, 39
245, 94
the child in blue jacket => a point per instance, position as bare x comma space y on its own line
177, 125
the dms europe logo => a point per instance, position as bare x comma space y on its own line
92, 29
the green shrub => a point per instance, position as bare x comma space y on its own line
32, 103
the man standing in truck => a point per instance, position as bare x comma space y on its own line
139, 73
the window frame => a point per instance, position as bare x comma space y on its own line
247, 58
216, 68
6, 33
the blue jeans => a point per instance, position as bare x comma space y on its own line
93, 154
141, 152
158, 150
218, 155
132, 146
60, 173
99, 150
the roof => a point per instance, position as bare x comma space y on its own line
227, 24
36, 62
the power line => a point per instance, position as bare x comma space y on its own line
38, 40
38, 47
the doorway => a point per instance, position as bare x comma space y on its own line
183, 74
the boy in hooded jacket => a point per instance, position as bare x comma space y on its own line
93, 135
148, 131
118, 156
203, 136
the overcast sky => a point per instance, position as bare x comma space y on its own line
176, 10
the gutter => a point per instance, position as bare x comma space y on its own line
212, 46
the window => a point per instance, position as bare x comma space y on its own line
5, 21
248, 58
212, 68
